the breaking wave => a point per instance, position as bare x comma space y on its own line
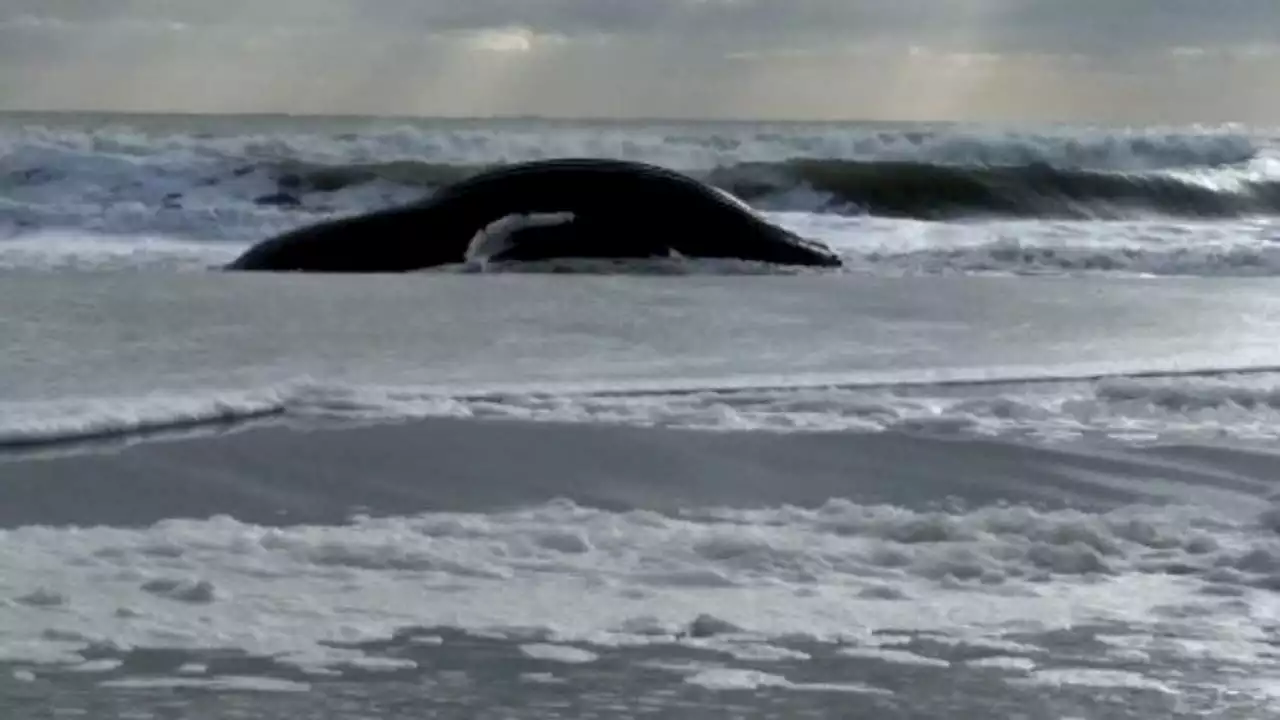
1241, 404
936, 192
242, 181
898, 189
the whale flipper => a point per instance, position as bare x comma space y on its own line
502, 235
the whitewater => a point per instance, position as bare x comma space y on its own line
1015, 459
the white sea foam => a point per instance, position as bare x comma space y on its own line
969, 576
34, 423
1094, 678
227, 683
1004, 662
558, 653
1128, 409
104, 665
734, 679
1158, 247
55, 250
902, 657
1124, 408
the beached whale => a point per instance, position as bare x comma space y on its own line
547, 209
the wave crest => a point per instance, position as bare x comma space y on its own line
896, 189
934, 192
191, 182
1241, 404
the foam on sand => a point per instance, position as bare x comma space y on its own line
587, 575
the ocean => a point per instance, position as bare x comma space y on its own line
1017, 459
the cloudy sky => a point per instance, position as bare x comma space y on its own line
1103, 60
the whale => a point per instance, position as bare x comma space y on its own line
542, 210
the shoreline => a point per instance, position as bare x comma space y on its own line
282, 474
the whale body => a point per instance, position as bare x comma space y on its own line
541, 210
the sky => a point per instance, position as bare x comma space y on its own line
1173, 61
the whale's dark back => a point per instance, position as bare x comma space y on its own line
620, 208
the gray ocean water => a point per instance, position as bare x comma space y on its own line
1016, 460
